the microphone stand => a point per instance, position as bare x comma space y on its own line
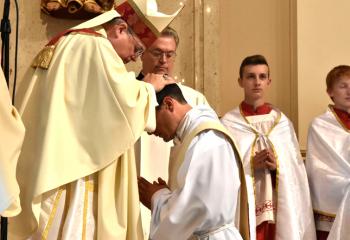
5, 64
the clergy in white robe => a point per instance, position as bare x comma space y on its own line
278, 192
280, 197
202, 198
11, 138
328, 160
328, 167
84, 112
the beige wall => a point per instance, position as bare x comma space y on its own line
257, 27
35, 29
323, 42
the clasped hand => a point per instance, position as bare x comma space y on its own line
265, 159
147, 189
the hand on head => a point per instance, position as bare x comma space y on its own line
158, 81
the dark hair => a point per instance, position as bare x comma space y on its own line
173, 91
170, 32
335, 74
253, 60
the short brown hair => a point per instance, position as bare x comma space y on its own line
170, 32
253, 60
336, 74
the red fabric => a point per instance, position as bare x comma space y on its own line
322, 235
55, 39
266, 231
248, 110
343, 116
136, 23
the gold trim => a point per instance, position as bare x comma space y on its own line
325, 213
86, 198
52, 214
44, 57
89, 187
279, 116
338, 119
252, 163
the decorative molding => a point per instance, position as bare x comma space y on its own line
76, 9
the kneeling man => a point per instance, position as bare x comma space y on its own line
204, 188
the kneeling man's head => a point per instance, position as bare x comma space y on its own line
171, 110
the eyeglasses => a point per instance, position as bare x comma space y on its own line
170, 55
139, 47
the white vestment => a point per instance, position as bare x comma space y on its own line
328, 168
294, 218
153, 154
205, 202
11, 138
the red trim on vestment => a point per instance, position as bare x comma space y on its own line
134, 21
343, 116
266, 231
248, 110
55, 39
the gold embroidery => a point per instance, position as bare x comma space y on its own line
52, 214
44, 57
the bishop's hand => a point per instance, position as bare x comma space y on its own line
158, 81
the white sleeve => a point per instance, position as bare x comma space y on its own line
151, 120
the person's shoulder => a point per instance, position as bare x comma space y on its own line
211, 139
326, 119
192, 96
231, 115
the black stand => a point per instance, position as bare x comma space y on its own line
5, 64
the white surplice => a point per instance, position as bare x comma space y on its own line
328, 168
205, 202
294, 218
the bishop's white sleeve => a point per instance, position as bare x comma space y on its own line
207, 198
151, 120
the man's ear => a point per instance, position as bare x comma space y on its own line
169, 103
240, 82
120, 28
330, 93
